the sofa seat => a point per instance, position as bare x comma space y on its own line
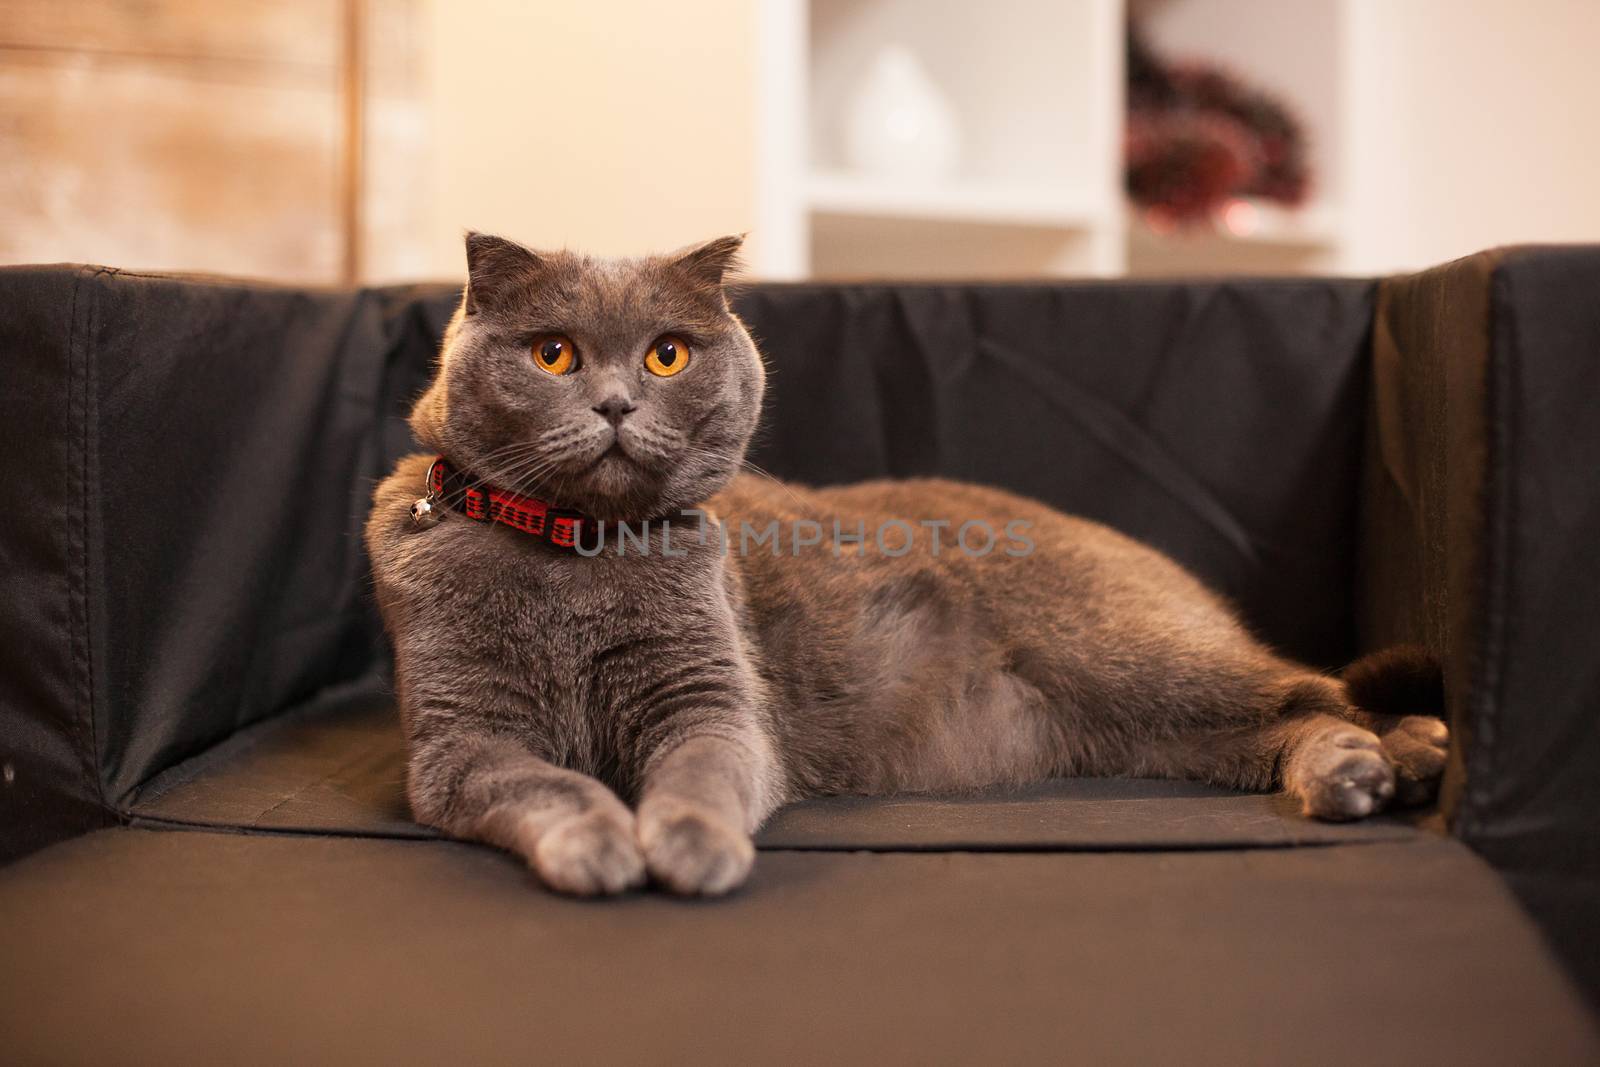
209, 947
1090, 920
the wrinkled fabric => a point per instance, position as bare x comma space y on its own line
1220, 422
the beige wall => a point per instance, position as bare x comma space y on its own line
618, 127
160, 133
1472, 123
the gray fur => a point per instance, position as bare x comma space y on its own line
624, 715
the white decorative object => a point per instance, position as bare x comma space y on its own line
900, 125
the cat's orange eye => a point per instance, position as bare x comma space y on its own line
667, 357
555, 354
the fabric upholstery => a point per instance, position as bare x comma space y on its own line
1219, 421
53, 787
1481, 518
271, 949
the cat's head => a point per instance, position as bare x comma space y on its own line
623, 388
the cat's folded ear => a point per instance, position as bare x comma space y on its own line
496, 268
710, 263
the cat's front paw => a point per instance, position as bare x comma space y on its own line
590, 854
691, 850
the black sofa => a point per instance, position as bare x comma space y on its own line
209, 855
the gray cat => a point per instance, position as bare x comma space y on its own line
609, 709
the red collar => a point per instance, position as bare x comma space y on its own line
459, 491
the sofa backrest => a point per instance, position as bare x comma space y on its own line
1219, 421
190, 463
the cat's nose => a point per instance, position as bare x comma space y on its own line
614, 408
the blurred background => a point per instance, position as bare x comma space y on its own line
354, 140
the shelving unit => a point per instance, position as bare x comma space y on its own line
844, 194
1037, 88
1037, 192
1251, 238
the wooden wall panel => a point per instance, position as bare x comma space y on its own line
174, 135
300, 32
395, 187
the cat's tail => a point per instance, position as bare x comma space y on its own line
1403, 680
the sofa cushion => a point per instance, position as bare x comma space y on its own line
130, 946
338, 766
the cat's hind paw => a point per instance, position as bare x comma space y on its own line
693, 851
1418, 746
1341, 773
592, 854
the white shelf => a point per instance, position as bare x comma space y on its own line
1261, 224
986, 202
1037, 91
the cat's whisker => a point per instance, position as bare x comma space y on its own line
516, 452
800, 503
780, 483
